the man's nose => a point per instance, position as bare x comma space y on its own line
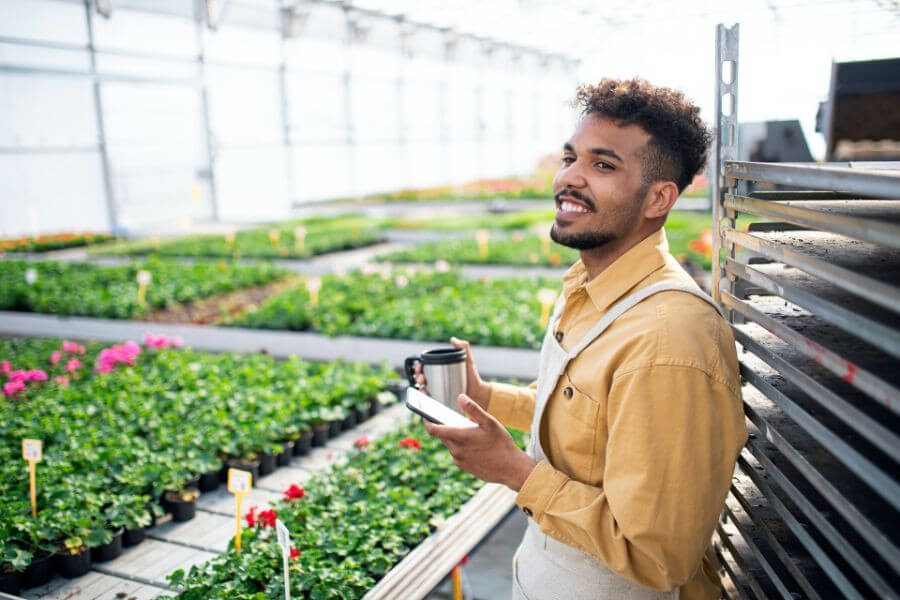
569, 176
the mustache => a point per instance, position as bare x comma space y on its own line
577, 195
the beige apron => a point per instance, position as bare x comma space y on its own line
547, 569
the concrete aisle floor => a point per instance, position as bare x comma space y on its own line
489, 572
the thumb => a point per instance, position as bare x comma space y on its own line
474, 412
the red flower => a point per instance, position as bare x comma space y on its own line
268, 518
295, 492
362, 442
411, 442
294, 553
251, 516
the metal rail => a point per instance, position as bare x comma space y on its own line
817, 487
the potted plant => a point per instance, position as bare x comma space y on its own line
182, 503
137, 517
13, 562
74, 557
304, 442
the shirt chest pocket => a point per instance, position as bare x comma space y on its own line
573, 422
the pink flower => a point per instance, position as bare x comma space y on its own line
11, 388
5, 367
36, 375
362, 442
72, 347
55, 357
127, 354
62, 380
73, 365
18, 375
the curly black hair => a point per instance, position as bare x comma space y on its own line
679, 141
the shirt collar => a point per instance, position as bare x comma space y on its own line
626, 272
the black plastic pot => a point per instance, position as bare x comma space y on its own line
251, 466
374, 407
133, 537
39, 572
320, 434
181, 510
267, 463
285, 456
209, 481
303, 443
362, 413
108, 551
349, 421
74, 565
334, 427
9, 583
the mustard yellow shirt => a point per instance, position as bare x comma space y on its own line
643, 429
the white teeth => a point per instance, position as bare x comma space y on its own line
572, 207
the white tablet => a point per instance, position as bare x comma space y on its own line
434, 411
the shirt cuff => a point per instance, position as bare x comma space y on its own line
539, 488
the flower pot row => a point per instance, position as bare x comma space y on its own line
69, 564
317, 436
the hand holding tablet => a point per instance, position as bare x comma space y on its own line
434, 411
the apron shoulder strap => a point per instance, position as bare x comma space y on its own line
628, 302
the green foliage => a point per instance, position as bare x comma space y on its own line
417, 306
112, 292
353, 525
524, 250
322, 235
113, 443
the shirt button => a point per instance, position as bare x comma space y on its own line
527, 511
559, 336
568, 392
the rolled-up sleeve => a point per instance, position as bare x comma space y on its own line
513, 405
674, 436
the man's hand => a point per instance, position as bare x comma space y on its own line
488, 451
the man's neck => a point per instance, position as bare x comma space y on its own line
597, 260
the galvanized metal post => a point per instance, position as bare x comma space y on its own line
350, 136
286, 133
204, 107
111, 208
725, 141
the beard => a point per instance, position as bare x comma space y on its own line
585, 240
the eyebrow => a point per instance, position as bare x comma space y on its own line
596, 151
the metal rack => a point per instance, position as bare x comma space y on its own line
812, 290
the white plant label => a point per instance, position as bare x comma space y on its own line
284, 536
32, 450
144, 277
31, 276
284, 540
239, 482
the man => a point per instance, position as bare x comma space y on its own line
636, 416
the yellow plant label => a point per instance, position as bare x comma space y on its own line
32, 450
239, 482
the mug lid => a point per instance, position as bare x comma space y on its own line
443, 356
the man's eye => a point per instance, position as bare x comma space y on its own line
603, 166
568, 160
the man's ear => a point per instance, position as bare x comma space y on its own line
661, 198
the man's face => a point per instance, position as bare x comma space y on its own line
599, 188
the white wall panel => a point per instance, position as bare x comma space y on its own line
252, 183
41, 193
44, 20
41, 111
323, 171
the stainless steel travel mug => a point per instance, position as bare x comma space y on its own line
445, 374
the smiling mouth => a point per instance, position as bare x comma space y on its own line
569, 208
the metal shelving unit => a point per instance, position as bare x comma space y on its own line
812, 290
